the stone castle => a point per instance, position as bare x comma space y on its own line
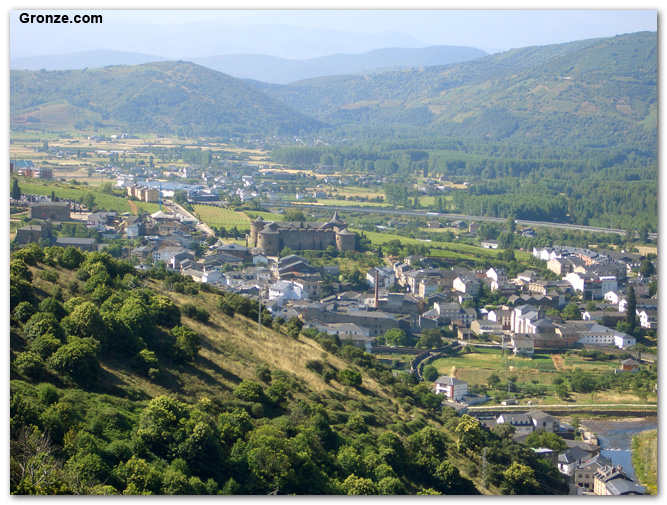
273, 236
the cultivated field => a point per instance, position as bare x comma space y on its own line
217, 217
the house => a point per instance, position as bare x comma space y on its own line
523, 345
485, 326
349, 332
584, 473
55, 211
630, 365
453, 389
30, 233
544, 421
287, 291
489, 244
467, 285
601, 335
385, 277
612, 480
84, 244
648, 319
569, 459
522, 423
501, 316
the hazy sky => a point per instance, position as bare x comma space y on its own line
490, 30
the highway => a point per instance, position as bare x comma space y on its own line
461, 217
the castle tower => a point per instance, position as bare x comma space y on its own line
345, 240
255, 227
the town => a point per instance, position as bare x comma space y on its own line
410, 310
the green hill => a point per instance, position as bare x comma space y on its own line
562, 94
130, 382
164, 97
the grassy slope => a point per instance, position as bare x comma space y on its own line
645, 459
231, 349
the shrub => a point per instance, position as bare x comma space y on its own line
249, 391
192, 311
349, 377
77, 360
188, 343
145, 361
24, 311
45, 345
29, 364
49, 275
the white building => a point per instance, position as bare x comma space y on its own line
601, 335
453, 389
287, 291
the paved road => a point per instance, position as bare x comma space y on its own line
461, 217
648, 406
201, 226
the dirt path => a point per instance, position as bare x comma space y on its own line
558, 361
133, 207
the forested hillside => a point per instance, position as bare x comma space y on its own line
131, 382
599, 90
166, 97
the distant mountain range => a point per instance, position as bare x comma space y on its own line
79, 61
591, 91
264, 67
283, 71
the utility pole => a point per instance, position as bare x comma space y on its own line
484, 468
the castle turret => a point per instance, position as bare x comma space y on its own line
255, 227
345, 240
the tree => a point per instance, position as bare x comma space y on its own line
16, 190
88, 201
542, 438
631, 309
493, 380
470, 433
294, 215
430, 338
77, 360
646, 268
354, 485
571, 312
452, 482
397, 337
430, 373
511, 224
188, 343
249, 391
71, 258
519, 480
349, 377
85, 321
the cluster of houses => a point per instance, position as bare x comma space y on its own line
413, 294
586, 469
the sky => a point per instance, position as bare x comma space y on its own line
490, 30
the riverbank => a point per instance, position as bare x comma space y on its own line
615, 437
645, 459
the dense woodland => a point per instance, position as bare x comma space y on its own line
127, 382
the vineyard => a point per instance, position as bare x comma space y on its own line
217, 217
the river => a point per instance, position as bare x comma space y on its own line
615, 437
